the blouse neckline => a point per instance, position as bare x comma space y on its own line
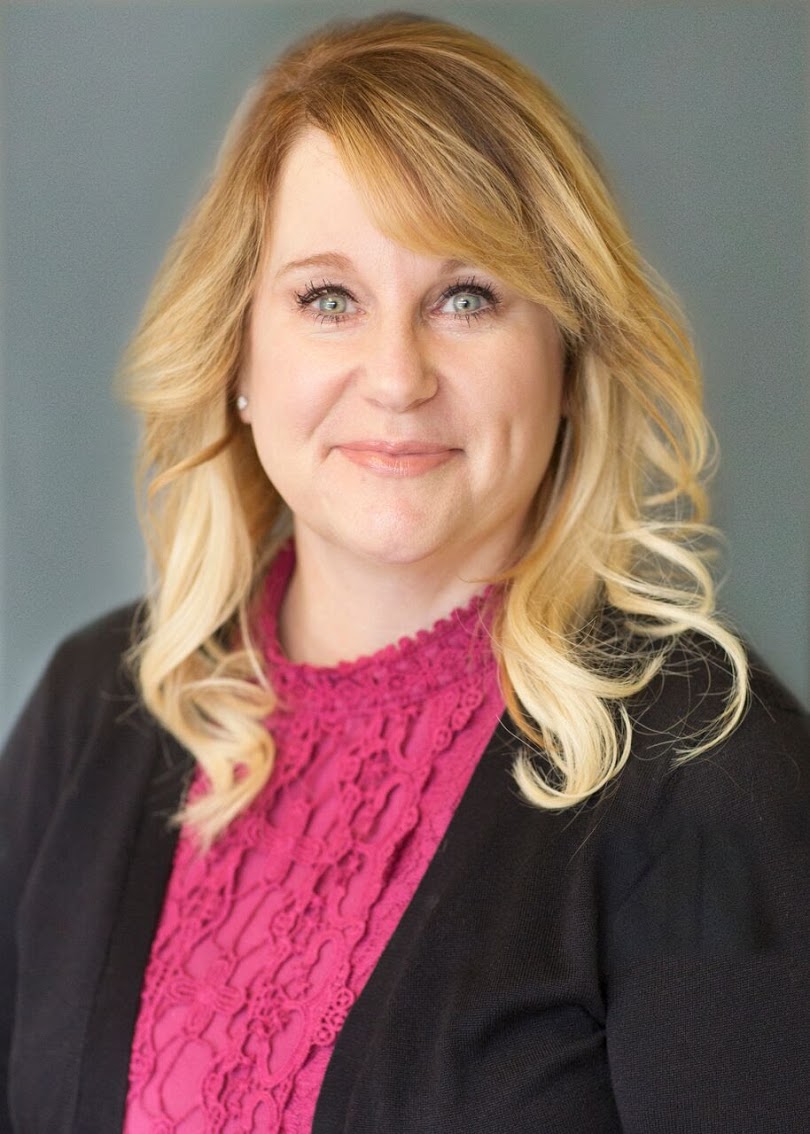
454, 648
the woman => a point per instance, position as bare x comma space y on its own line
475, 830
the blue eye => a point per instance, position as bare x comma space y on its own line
468, 299
465, 303
328, 303
331, 304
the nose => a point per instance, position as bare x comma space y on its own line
398, 372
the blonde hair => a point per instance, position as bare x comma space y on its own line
489, 168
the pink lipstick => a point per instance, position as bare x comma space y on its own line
397, 459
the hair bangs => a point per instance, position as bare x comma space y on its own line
436, 183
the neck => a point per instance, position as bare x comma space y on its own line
342, 609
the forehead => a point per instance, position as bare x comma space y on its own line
314, 200
320, 219
312, 154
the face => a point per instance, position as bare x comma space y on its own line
404, 406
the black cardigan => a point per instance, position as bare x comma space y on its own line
638, 964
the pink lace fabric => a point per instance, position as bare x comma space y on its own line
265, 943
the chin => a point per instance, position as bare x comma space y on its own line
398, 545
393, 554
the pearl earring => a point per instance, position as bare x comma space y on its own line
241, 403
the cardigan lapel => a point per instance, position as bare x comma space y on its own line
83, 948
490, 781
104, 1074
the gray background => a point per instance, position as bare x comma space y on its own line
111, 116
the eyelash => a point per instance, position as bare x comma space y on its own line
469, 286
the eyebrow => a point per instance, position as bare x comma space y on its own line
341, 263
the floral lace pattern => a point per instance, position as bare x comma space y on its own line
265, 942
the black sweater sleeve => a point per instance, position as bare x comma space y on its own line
81, 688
708, 1003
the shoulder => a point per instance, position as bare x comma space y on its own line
80, 744
96, 652
93, 658
88, 680
746, 794
705, 914
84, 693
686, 699
708, 852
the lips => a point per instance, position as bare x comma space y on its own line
397, 458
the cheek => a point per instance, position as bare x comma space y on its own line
523, 391
292, 428
287, 396
547, 380
527, 408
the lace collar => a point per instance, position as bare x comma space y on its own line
454, 649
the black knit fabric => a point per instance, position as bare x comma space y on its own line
638, 964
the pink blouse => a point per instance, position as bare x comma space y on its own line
265, 942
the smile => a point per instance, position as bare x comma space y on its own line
397, 459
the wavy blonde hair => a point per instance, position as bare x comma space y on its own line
488, 167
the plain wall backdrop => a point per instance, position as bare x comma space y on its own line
111, 117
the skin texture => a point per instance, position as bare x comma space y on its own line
405, 407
